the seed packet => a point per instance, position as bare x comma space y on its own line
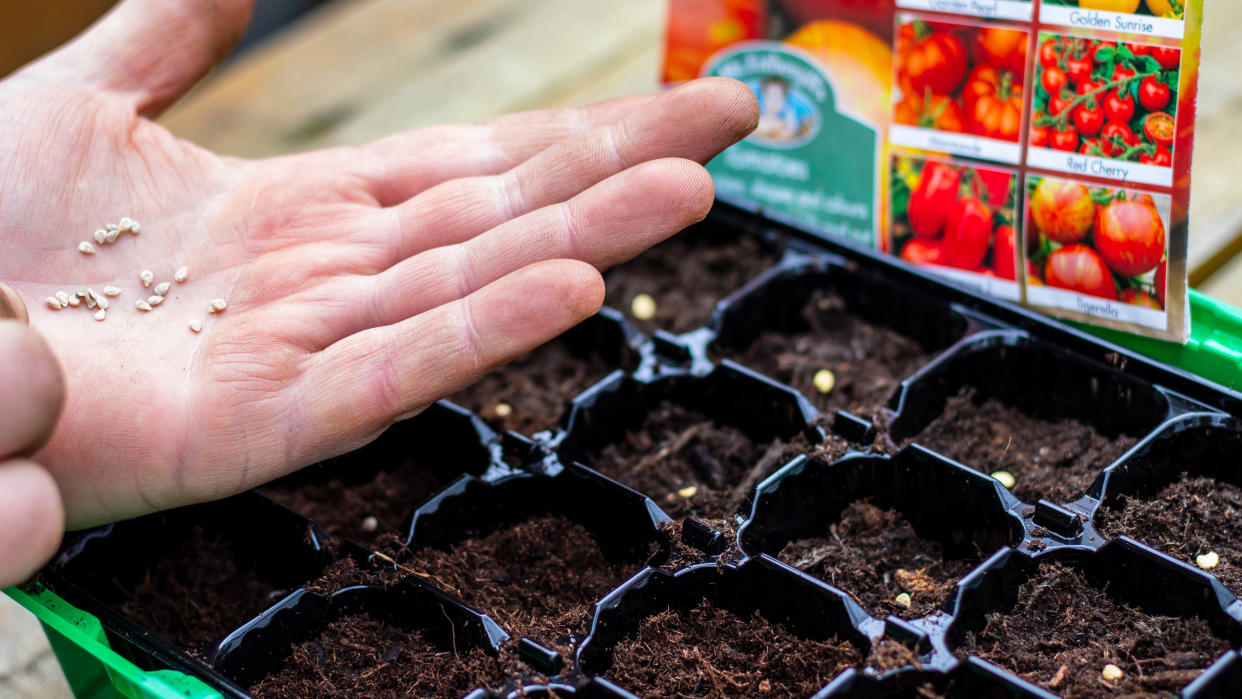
1034, 150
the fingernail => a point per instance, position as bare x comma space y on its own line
11, 305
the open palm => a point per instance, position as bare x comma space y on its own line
363, 283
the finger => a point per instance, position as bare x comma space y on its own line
400, 166
32, 520
30, 381
603, 226
11, 306
152, 51
366, 381
695, 121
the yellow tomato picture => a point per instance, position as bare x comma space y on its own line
1166, 8
1129, 6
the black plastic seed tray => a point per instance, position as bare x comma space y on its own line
713, 472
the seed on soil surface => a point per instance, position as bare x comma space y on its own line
86, 248
824, 381
181, 275
196, 326
1006, 479
147, 276
101, 236
1207, 561
217, 306
62, 297
101, 314
111, 291
1112, 673
501, 409
155, 300
162, 288
688, 491
370, 524
53, 304
904, 600
142, 305
643, 307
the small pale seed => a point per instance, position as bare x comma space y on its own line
74, 301
142, 305
111, 291
136, 228
181, 275
155, 300
113, 234
1112, 673
903, 600
824, 381
86, 248
101, 314
101, 236
196, 326
688, 491
53, 304
80, 293
147, 276
91, 300
103, 302
370, 524
162, 288
503, 410
1207, 561
1006, 479
643, 307
126, 223
218, 306
62, 297
112, 227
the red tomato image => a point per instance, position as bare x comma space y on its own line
967, 233
1130, 237
1078, 268
932, 200
1003, 48
1063, 211
1003, 249
923, 252
936, 64
1161, 275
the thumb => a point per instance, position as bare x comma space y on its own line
32, 519
151, 51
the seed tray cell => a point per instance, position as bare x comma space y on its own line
484, 524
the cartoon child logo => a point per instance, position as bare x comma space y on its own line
786, 118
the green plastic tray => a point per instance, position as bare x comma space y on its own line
97, 670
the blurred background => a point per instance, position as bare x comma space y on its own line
312, 73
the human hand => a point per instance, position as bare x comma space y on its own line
363, 283
31, 518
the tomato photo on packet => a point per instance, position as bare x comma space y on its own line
949, 214
1106, 99
1098, 241
1168, 9
960, 78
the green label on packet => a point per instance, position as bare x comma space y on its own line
805, 160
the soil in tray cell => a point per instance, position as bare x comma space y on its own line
711, 652
530, 394
1053, 459
686, 277
874, 555
198, 592
1064, 632
691, 465
537, 578
366, 511
1190, 518
868, 362
358, 656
